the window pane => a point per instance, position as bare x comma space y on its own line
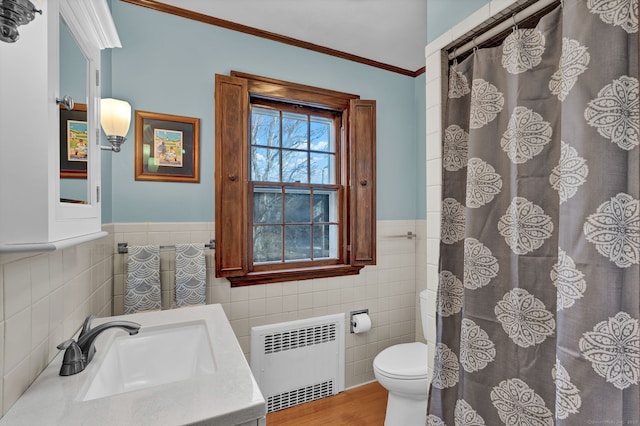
320, 207
265, 165
325, 241
294, 131
325, 206
265, 127
297, 242
267, 205
294, 166
322, 168
297, 206
321, 135
267, 244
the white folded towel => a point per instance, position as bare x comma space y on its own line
191, 274
142, 291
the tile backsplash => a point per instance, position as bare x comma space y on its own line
388, 290
46, 296
45, 299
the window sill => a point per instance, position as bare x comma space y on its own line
267, 277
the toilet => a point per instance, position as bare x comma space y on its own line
402, 370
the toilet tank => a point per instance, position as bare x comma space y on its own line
423, 312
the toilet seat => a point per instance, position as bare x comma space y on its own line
405, 361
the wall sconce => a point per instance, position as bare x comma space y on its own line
115, 117
14, 13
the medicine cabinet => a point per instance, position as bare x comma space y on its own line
49, 157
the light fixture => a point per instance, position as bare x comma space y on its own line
115, 117
14, 13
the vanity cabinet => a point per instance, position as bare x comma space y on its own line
34, 214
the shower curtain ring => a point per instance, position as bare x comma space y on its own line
475, 46
562, 4
515, 23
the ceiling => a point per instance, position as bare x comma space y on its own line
390, 32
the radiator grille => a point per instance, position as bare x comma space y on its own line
298, 361
299, 338
299, 396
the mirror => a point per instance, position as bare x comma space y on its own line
74, 140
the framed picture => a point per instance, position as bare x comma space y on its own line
73, 142
167, 147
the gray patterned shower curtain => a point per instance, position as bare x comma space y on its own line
539, 296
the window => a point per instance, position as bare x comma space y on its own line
295, 181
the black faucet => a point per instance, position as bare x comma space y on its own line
79, 354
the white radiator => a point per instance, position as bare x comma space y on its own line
298, 361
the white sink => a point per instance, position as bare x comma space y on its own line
155, 356
185, 366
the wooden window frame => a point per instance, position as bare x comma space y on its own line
233, 186
338, 186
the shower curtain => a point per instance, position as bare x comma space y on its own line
538, 301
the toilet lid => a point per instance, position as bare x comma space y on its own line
406, 360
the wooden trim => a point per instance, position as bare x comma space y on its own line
362, 128
223, 23
280, 90
266, 85
345, 173
267, 277
233, 210
73, 174
231, 145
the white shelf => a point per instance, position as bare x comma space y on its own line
50, 246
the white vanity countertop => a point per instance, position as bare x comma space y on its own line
230, 396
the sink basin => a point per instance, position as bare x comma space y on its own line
185, 366
155, 356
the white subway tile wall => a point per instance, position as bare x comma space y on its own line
388, 289
421, 273
45, 299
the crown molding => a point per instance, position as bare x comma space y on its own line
189, 14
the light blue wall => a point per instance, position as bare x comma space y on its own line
168, 65
155, 72
442, 15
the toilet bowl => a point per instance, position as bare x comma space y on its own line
402, 370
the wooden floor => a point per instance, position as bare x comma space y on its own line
364, 405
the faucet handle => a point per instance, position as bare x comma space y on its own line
73, 361
86, 325
65, 344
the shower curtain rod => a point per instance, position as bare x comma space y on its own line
502, 26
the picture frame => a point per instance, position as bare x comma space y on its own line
167, 147
73, 142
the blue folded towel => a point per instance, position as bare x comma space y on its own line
142, 291
191, 274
